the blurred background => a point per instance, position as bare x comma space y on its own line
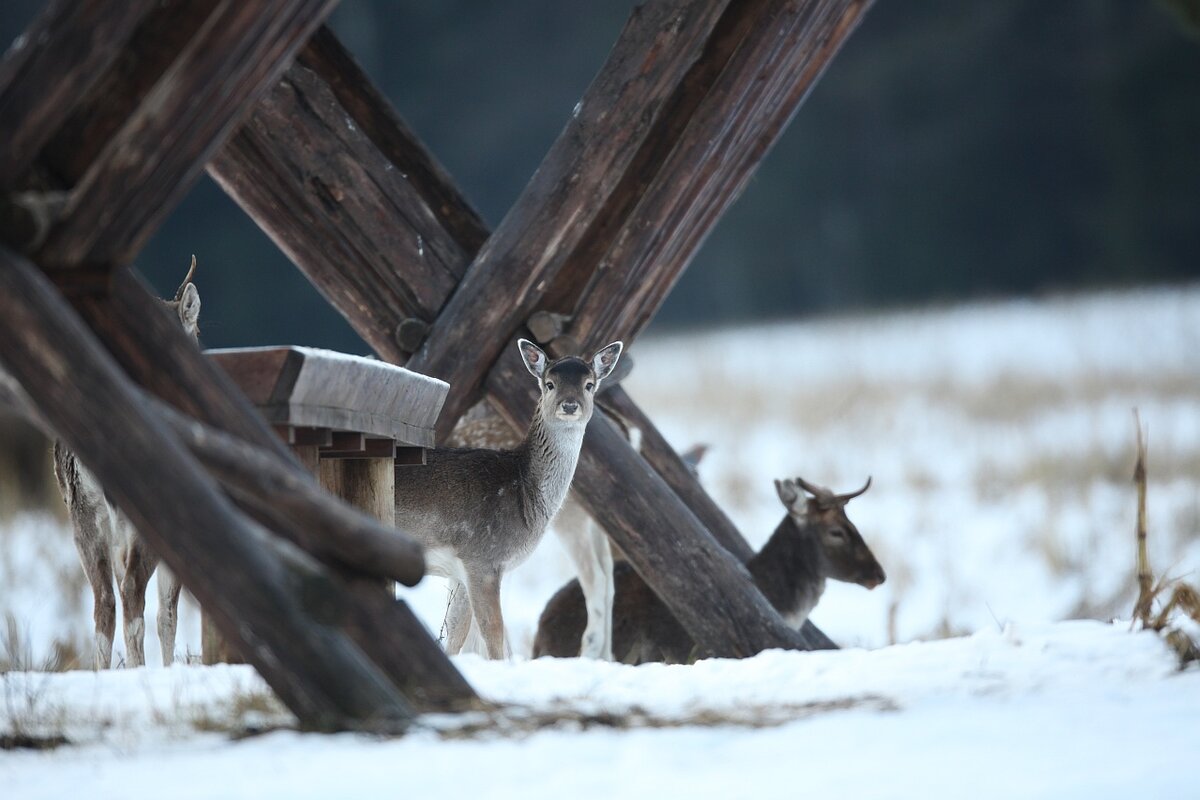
954, 149
1025, 173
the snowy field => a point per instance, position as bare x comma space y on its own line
1000, 442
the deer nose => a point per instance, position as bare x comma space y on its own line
876, 579
569, 406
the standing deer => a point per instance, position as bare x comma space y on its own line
584, 540
108, 545
480, 512
814, 542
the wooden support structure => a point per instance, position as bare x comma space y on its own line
183, 516
112, 109
723, 62
336, 650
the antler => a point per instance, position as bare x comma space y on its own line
843, 498
186, 280
823, 495
827, 498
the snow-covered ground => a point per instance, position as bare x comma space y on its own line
1080, 709
1000, 441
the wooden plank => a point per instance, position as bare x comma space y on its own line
410, 456
227, 64
311, 437
230, 565
321, 388
371, 448
50, 68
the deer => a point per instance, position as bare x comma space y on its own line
813, 543
479, 512
109, 546
584, 541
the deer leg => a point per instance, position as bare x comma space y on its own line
139, 565
91, 541
588, 547
484, 589
458, 618
168, 612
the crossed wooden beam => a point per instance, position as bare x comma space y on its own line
115, 107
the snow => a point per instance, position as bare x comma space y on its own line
1075, 709
1000, 441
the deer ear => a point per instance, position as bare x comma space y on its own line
788, 494
605, 360
533, 356
189, 306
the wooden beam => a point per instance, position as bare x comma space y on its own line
49, 69
628, 119
331, 532
231, 58
334, 177
249, 585
783, 52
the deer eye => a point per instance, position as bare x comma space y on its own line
837, 534
549, 386
590, 386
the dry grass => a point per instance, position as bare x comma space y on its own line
518, 721
1181, 597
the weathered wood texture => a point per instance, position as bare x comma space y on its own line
343, 187
235, 570
50, 68
234, 52
627, 114
778, 58
307, 387
666, 136
704, 72
362, 541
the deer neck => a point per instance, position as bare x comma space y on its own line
549, 455
789, 570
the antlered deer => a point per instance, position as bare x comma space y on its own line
814, 542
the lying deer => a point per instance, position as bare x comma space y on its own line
814, 542
108, 545
480, 512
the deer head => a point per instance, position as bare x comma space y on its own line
845, 555
186, 303
569, 384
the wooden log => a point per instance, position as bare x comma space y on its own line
339, 183
51, 67
248, 583
330, 531
783, 52
159, 151
628, 118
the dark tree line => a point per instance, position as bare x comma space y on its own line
954, 149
